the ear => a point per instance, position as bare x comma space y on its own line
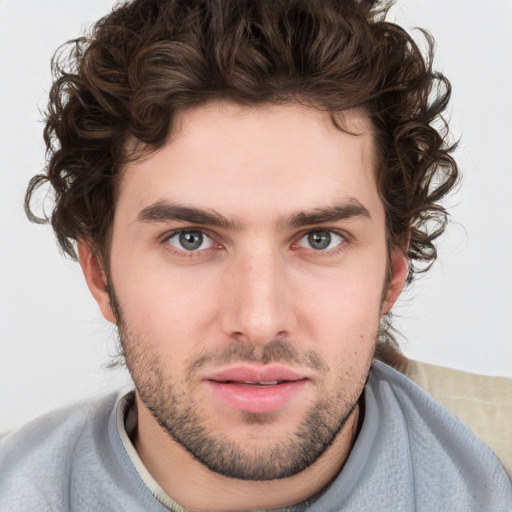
399, 270
96, 279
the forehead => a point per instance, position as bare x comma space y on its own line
270, 159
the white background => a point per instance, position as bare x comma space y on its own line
54, 345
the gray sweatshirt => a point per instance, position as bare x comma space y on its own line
410, 455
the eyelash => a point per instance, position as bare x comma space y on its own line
295, 245
183, 253
342, 246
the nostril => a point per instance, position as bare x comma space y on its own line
240, 337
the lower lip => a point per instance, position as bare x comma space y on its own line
257, 399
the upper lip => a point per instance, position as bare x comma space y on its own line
255, 374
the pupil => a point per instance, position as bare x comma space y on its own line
319, 239
191, 240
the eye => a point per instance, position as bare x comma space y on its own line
190, 240
320, 240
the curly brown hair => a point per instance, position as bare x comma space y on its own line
148, 60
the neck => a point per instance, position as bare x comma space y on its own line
195, 487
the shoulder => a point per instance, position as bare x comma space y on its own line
483, 403
58, 431
38, 460
442, 452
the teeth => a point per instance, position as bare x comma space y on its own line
267, 383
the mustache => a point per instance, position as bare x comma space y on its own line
276, 351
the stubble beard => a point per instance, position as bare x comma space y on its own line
184, 421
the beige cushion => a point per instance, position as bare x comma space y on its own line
482, 403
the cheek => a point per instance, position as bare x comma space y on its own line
164, 305
348, 297
343, 315
348, 325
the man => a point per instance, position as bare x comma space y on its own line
248, 186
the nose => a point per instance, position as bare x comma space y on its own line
257, 304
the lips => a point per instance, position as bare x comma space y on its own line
256, 389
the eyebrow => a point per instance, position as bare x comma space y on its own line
164, 211
349, 210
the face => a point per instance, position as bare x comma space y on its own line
248, 266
